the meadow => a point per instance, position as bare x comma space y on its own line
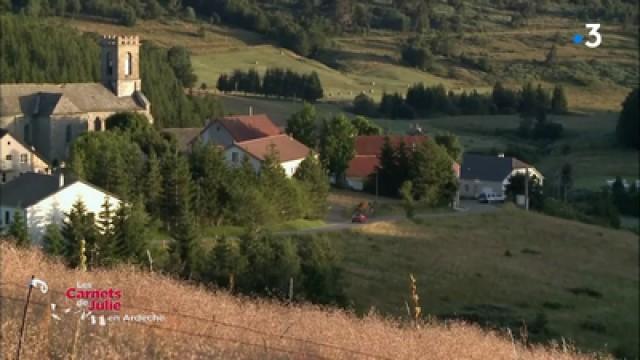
504, 269
197, 322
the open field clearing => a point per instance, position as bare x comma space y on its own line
562, 278
214, 325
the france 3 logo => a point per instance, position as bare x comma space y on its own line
595, 38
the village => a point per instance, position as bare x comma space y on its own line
41, 121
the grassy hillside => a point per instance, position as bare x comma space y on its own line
595, 79
201, 324
564, 279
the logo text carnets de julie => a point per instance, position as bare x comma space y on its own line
96, 299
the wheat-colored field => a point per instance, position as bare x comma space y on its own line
203, 324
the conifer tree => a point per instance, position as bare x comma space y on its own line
106, 240
53, 241
215, 194
79, 225
132, 231
559, 101
226, 263
314, 177
18, 229
153, 186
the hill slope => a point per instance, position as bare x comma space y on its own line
563, 278
202, 324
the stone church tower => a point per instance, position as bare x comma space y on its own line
121, 64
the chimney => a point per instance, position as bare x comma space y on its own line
250, 110
61, 180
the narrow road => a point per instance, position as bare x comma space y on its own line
468, 208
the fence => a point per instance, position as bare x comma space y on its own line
211, 337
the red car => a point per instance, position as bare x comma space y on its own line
359, 218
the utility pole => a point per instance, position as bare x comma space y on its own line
526, 189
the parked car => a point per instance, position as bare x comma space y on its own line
490, 197
359, 218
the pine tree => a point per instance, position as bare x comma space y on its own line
387, 171
314, 177
215, 193
106, 240
79, 225
131, 226
53, 241
18, 229
226, 263
559, 101
153, 186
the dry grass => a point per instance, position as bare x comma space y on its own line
371, 335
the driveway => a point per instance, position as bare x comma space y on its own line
466, 207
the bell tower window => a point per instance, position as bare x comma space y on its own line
128, 65
109, 64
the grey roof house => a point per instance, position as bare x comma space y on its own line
490, 173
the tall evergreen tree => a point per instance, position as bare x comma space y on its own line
18, 229
79, 225
628, 128
106, 239
131, 231
53, 241
559, 103
314, 177
153, 190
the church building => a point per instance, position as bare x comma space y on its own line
49, 117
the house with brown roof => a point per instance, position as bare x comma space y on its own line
491, 173
50, 116
17, 158
367, 159
228, 130
290, 151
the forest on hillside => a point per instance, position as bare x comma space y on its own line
34, 52
306, 26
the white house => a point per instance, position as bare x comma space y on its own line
17, 158
490, 173
290, 152
45, 199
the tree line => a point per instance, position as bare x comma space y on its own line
35, 52
275, 82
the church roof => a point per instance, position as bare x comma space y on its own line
52, 99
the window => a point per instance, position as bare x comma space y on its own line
234, 157
24, 158
9, 157
27, 134
7, 217
109, 64
68, 134
97, 124
128, 64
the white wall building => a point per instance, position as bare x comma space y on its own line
46, 199
290, 152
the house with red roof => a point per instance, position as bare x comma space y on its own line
238, 128
367, 159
